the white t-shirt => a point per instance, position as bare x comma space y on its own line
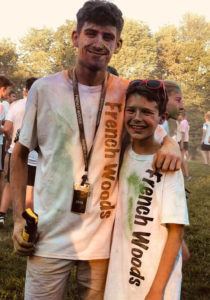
2, 115
166, 127
178, 132
160, 133
3, 112
6, 107
184, 128
206, 127
146, 202
51, 122
15, 115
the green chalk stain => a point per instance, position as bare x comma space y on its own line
135, 181
130, 209
135, 187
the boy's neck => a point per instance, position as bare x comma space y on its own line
88, 77
147, 146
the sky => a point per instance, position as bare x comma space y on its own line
18, 16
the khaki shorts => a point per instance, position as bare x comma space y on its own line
47, 278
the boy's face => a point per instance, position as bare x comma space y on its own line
96, 45
141, 117
4, 91
175, 105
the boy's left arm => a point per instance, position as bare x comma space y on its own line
168, 157
170, 252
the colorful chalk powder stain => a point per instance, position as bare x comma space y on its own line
135, 187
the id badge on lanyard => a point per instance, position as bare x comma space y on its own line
82, 190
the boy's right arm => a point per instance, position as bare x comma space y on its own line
18, 184
170, 252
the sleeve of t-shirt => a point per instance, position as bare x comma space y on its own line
28, 132
10, 115
183, 126
205, 126
1, 112
174, 204
160, 133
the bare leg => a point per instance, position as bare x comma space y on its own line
204, 157
209, 156
185, 253
1, 185
6, 199
184, 165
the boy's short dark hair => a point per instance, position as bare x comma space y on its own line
101, 13
5, 82
11, 92
29, 82
156, 95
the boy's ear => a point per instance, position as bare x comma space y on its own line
118, 46
74, 37
163, 118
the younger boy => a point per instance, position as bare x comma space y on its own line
145, 260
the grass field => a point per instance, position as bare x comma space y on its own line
196, 274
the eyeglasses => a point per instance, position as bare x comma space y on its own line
151, 84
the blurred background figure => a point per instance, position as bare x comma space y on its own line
12, 126
205, 141
183, 129
5, 87
11, 97
112, 70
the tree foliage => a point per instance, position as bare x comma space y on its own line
63, 53
137, 56
35, 52
8, 57
179, 53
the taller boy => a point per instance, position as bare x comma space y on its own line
73, 231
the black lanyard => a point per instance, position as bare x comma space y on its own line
87, 155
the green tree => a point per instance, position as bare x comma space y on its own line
34, 56
168, 53
8, 57
9, 65
195, 61
136, 59
195, 58
63, 53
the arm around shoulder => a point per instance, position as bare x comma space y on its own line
170, 252
168, 157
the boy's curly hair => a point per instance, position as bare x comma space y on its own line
101, 13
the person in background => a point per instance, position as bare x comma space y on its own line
174, 107
11, 96
205, 141
5, 87
183, 128
112, 70
12, 125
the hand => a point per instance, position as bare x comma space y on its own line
22, 247
154, 296
168, 157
